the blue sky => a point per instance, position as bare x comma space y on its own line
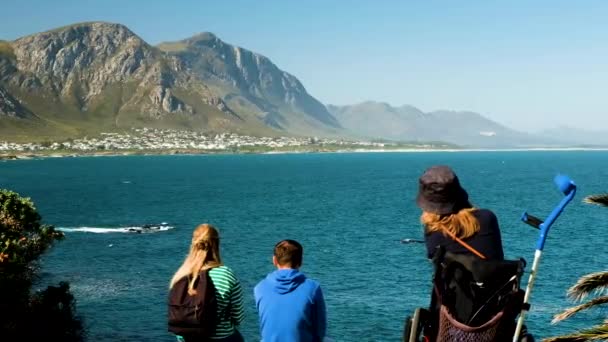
526, 64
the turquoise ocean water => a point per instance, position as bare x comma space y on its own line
348, 210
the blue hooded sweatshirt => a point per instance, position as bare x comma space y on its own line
291, 307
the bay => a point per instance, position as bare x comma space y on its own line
348, 210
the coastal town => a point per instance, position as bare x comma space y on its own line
150, 139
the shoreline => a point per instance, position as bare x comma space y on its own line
22, 155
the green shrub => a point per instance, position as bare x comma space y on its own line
23, 315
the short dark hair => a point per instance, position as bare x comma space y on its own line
289, 253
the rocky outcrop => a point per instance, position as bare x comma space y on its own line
105, 72
163, 98
90, 56
80, 64
11, 107
251, 76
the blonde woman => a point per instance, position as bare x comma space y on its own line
205, 256
449, 219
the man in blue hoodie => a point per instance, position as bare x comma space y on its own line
291, 307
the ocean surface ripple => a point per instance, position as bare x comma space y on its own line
350, 211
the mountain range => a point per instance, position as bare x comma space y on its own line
96, 77
93, 77
408, 123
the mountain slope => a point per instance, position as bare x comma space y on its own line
252, 83
100, 76
93, 77
378, 120
407, 123
11, 107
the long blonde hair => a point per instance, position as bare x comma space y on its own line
204, 255
462, 224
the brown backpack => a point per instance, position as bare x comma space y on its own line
193, 315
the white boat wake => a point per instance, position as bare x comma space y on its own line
143, 229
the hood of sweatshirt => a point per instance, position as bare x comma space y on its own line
285, 281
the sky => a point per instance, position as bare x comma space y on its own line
529, 65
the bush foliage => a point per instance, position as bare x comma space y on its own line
25, 315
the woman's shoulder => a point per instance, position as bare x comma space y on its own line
487, 219
482, 213
222, 271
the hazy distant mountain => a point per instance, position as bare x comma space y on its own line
407, 123
577, 136
93, 77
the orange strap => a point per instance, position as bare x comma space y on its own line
464, 244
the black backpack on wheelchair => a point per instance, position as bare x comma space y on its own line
472, 300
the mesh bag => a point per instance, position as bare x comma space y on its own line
452, 330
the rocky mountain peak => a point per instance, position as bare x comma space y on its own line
260, 82
201, 38
104, 71
82, 57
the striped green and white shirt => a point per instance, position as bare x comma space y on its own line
229, 301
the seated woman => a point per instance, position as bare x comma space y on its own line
204, 256
466, 303
449, 219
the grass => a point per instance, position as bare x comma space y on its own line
105, 109
217, 120
6, 50
172, 46
109, 112
54, 119
23, 131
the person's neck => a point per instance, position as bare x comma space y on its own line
288, 267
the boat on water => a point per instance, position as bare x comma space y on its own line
149, 228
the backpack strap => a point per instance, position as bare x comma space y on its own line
464, 244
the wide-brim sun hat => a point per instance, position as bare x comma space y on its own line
440, 192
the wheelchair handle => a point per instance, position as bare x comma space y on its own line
533, 221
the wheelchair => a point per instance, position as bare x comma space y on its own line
472, 300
